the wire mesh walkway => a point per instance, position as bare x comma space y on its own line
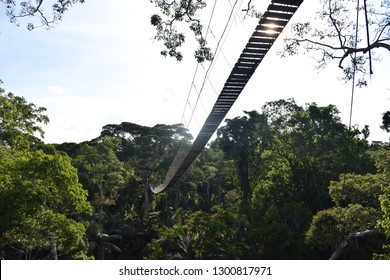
272, 23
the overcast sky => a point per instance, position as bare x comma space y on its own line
100, 65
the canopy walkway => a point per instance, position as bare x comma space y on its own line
272, 23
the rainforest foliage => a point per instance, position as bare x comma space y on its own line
284, 182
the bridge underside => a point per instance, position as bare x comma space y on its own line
278, 14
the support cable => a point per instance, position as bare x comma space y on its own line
368, 36
276, 17
354, 66
212, 63
197, 65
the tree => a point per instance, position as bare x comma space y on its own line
336, 35
19, 121
357, 189
173, 12
386, 121
316, 146
383, 165
101, 173
41, 197
147, 149
17, 10
355, 216
101, 244
239, 140
42, 202
333, 229
106, 179
306, 148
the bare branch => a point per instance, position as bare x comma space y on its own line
334, 22
382, 30
349, 51
338, 35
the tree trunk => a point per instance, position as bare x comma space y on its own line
176, 204
146, 204
100, 187
208, 196
245, 186
344, 243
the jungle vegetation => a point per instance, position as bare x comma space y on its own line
288, 181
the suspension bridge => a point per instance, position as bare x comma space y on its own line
271, 24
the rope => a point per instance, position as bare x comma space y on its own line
354, 65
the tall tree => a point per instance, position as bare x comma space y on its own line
42, 202
102, 174
147, 149
317, 146
309, 147
239, 140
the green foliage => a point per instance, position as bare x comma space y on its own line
291, 182
101, 172
203, 236
240, 139
330, 227
275, 186
386, 121
40, 195
317, 147
358, 211
101, 244
19, 120
277, 232
173, 12
385, 206
145, 148
357, 189
383, 165
34, 231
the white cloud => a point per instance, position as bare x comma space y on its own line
56, 89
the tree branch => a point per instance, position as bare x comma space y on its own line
344, 243
349, 51
29, 12
382, 30
334, 23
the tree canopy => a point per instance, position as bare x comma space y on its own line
288, 181
285, 182
19, 121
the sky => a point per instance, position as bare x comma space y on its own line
100, 65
